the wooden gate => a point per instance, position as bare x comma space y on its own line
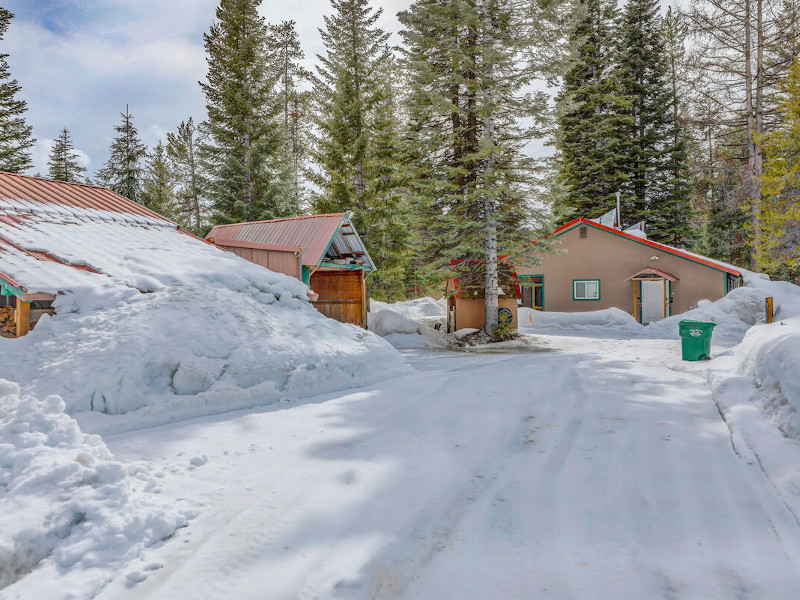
342, 295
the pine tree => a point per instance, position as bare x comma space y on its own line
778, 249
655, 161
678, 217
246, 152
16, 136
467, 65
183, 150
63, 162
123, 170
286, 54
356, 146
158, 190
594, 118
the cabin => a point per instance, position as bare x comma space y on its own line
466, 293
58, 238
324, 251
597, 266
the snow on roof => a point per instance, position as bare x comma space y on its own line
56, 239
328, 236
696, 258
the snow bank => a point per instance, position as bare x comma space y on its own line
191, 350
609, 319
413, 309
770, 355
403, 332
734, 314
69, 513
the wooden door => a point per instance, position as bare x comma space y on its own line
342, 295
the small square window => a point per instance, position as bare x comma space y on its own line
586, 289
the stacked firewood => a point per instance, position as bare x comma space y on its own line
8, 326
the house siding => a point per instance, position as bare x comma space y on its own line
611, 259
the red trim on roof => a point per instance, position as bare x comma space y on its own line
11, 280
658, 246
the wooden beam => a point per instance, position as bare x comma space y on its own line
23, 317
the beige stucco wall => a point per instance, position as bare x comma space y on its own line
611, 259
471, 313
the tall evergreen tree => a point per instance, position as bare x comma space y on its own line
63, 161
678, 217
655, 161
246, 151
16, 136
123, 170
355, 145
286, 54
183, 150
158, 189
467, 65
594, 118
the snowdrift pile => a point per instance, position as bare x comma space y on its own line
410, 323
607, 320
403, 331
70, 513
770, 355
191, 350
734, 315
169, 326
417, 308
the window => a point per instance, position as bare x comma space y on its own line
586, 289
584, 231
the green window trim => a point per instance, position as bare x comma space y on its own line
533, 287
576, 281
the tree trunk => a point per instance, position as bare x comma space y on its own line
750, 183
489, 201
757, 133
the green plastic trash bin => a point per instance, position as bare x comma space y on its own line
696, 339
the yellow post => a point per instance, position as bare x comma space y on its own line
768, 306
23, 317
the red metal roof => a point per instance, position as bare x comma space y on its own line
25, 195
36, 189
312, 233
707, 262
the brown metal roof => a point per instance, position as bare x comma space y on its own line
35, 189
312, 233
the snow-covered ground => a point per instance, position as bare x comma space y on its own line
590, 462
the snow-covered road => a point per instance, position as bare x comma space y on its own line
597, 470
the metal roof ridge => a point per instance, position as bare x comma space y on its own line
282, 219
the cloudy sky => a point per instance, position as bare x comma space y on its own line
81, 61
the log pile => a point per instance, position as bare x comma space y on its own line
8, 326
